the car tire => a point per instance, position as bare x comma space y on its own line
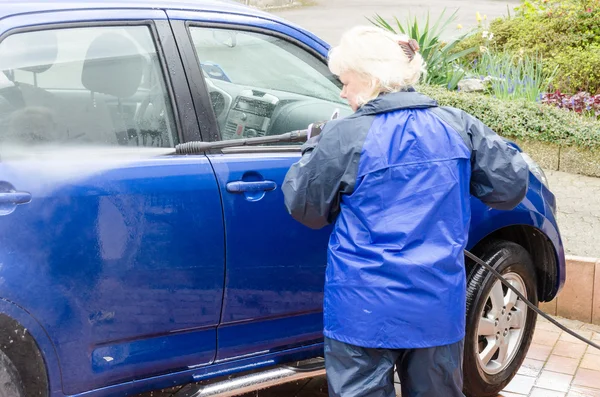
10, 381
499, 328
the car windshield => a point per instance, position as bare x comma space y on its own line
266, 62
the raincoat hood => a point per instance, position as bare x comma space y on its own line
397, 101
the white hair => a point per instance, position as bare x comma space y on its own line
374, 54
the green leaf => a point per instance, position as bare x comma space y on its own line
400, 27
462, 54
381, 22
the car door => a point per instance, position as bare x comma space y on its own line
259, 80
113, 243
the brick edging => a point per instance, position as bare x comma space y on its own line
579, 299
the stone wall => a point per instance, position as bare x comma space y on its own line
570, 159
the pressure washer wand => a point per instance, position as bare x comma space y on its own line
201, 147
313, 129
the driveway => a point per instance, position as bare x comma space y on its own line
328, 19
578, 202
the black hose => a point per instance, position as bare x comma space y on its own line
193, 147
531, 305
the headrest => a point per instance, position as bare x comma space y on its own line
113, 66
31, 51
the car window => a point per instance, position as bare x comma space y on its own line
261, 85
84, 86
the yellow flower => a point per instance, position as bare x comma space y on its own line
478, 16
459, 26
484, 17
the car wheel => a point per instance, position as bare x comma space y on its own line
499, 324
10, 382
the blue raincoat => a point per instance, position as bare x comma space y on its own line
396, 178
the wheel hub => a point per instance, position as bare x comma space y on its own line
501, 325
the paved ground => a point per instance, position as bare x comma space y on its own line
557, 365
578, 201
328, 19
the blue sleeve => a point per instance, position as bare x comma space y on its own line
500, 175
313, 187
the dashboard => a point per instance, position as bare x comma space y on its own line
247, 112
250, 115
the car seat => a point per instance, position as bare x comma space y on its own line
113, 67
27, 112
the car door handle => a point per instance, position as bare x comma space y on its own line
15, 198
250, 187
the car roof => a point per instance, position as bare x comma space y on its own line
15, 7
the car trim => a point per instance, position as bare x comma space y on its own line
204, 372
202, 107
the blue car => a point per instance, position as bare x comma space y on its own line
125, 267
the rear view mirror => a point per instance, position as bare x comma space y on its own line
225, 37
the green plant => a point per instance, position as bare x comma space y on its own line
521, 119
441, 60
564, 33
532, 8
514, 76
579, 69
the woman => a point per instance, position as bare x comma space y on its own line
396, 178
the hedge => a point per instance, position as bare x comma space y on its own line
520, 119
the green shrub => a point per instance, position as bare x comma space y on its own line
579, 69
565, 34
521, 119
